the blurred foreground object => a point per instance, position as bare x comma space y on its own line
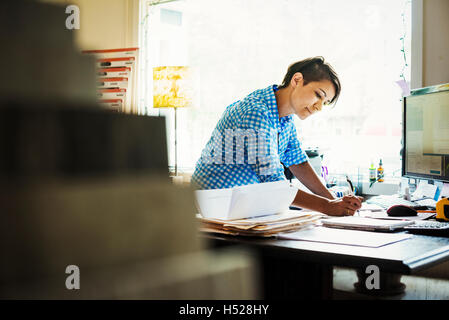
86, 187
126, 235
38, 59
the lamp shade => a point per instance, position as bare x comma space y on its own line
172, 87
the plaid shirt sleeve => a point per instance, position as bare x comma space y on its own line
294, 154
267, 165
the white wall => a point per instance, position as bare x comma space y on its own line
106, 24
435, 42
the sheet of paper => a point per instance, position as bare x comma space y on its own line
214, 203
274, 225
261, 199
427, 202
370, 207
276, 218
444, 191
365, 224
253, 200
425, 189
345, 237
384, 215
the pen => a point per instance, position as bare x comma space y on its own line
351, 187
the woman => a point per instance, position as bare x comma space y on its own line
256, 135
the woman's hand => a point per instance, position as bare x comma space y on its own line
345, 206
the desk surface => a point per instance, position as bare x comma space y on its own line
405, 257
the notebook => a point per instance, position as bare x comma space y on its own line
366, 224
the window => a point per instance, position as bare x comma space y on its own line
238, 46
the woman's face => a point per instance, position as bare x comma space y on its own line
310, 98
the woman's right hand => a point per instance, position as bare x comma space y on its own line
345, 206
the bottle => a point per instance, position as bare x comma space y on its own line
372, 173
380, 172
407, 194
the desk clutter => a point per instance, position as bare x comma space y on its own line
249, 210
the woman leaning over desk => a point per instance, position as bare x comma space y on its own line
262, 124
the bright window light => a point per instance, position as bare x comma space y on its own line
238, 46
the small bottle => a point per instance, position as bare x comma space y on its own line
380, 172
372, 173
407, 194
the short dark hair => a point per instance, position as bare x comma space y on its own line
313, 69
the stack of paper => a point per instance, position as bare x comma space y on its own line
265, 226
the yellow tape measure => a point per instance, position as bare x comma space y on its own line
443, 209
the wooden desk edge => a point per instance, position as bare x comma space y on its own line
406, 267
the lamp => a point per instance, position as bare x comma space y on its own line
171, 90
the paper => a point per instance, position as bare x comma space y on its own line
385, 216
425, 190
444, 191
270, 219
261, 226
404, 87
214, 203
366, 224
246, 201
370, 207
426, 202
345, 237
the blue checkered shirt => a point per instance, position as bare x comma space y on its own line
249, 144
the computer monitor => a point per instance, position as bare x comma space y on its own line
426, 134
